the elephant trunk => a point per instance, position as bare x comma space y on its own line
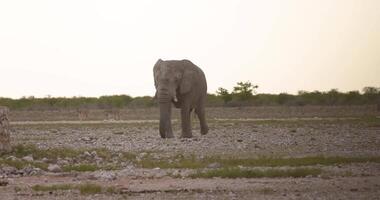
165, 116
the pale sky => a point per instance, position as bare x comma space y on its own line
93, 48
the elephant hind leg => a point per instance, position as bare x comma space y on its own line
200, 111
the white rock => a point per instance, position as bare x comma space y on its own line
214, 165
45, 160
28, 158
13, 158
62, 162
143, 154
105, 175
54, 168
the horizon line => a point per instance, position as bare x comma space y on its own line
214, 93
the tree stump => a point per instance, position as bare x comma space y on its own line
5, 144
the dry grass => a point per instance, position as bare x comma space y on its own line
257, 173
80, 168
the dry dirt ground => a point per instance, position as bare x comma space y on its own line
58, 157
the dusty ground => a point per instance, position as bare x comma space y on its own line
249, 133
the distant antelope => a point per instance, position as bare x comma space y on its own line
82, 113
112, 114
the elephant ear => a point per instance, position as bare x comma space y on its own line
156, 68
187, 81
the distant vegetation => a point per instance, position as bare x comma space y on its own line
243, 94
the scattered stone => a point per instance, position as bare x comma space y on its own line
27, 170
105, 175
28, 158
239, 140
156, 156
62, 162
13, 158
54, 168
86, 154
118, 132
86, 139
4, 182
9, 170
214, 165
94, 154
30, 170
143, 154
45, 160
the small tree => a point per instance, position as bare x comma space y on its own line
372, 94
244, 90
224, 94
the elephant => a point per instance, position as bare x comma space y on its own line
182, 83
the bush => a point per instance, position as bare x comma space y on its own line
242, 95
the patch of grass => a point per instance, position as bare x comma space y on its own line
365, 121
103, 153
89, 188
371, 121
266, 191
193, 163
109, 167
112, 190
256, 173
17, 189
178, 161
348, 174
53, 153
84, 189
46, 188
80, 168
128, 156
293, 162
19, 164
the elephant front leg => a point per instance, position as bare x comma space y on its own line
186, 124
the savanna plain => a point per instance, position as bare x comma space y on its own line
280, 152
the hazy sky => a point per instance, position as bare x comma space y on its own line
93, 48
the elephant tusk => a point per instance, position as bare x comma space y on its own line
175, 99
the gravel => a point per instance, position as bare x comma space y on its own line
239, 138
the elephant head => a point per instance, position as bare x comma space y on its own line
172, 80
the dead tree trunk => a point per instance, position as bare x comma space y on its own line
5, 144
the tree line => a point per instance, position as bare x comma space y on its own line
243, 94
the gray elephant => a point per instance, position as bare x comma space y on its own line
184, 84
